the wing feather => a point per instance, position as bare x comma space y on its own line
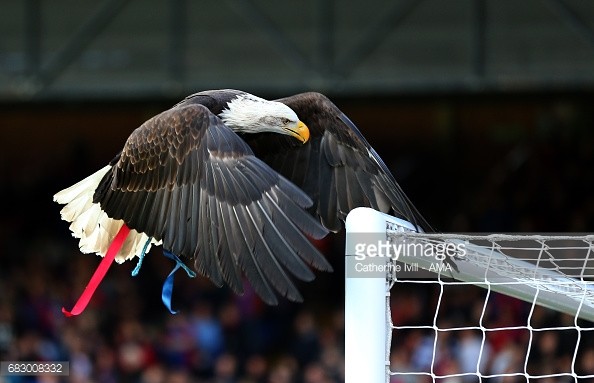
300, 244
206, 250
249, 261
269, 263
228, 257
327, 208
278, 245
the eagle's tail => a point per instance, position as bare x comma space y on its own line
91, 225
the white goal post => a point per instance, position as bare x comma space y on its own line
551, 271
365, 302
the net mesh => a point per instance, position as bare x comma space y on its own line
512, 312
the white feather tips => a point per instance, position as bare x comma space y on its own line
91, 225
91, 182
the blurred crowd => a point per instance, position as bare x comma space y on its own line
127, 335
536, 181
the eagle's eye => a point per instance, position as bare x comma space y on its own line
285, 120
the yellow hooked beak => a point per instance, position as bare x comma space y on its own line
301, 132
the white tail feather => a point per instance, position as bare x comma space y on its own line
92, 225
91, 182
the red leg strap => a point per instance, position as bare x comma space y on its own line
97, 277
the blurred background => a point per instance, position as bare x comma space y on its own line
482, 110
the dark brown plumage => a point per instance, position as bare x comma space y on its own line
338, 168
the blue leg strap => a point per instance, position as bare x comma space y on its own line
168, 284
141, 258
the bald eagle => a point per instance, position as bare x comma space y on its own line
235, 184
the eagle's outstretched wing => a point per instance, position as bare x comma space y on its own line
188, 180
337, 168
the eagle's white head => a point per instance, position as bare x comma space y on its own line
250, 114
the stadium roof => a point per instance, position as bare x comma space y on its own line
133, 48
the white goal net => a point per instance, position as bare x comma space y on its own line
494, 308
